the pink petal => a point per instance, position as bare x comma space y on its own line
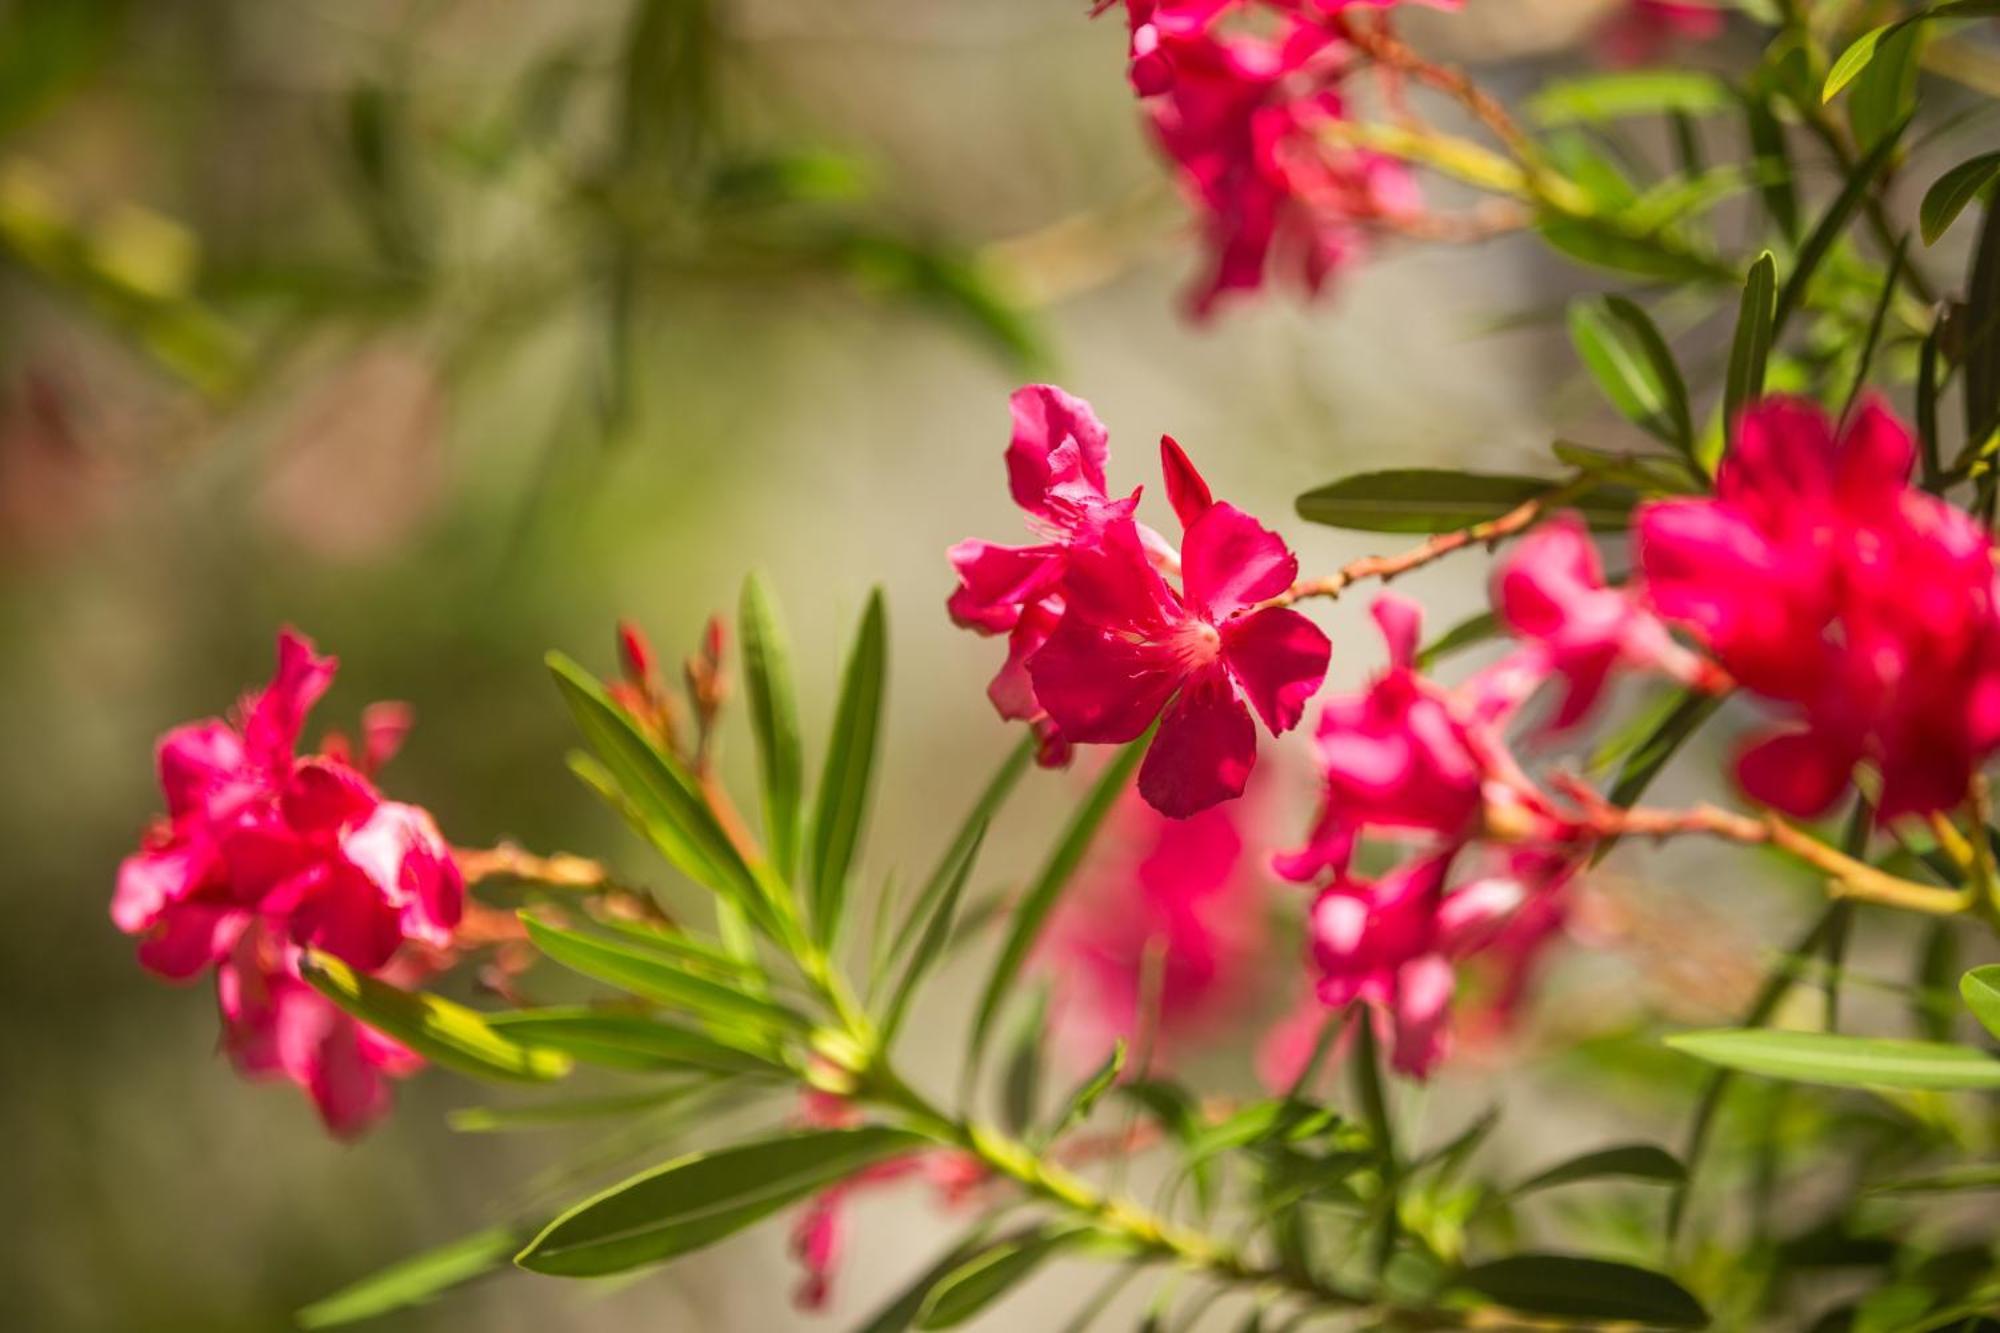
1186, 491
402, 853
152, 879
273, 719
1013, 690
1876, 455
995, 582
1045, 419
1423, 1001
1279, 659
1204, 750
1230, 561
1798, 773
324, 797
188, 937
1401, 622
201, 767
1099, 685
384, 726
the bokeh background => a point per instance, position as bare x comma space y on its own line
452, 330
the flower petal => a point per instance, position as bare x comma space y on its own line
1204, 750
1279, 659
1230, 561
1186, 491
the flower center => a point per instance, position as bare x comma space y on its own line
1195, 644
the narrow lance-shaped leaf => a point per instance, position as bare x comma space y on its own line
1090, 1092
1047, 887
1832, 223
445, 1033
774, 720
1417, 500
1929, 451
842, 804
1981, 358
697, 1200
1631, 363
1886, 91
990, 1274
1843, 1062
418, 1279
1628, 1161
627, 1041
937, 931
656, 978
1021, 1090
1750, 350
560, 1114
1864, 48
1949, 195
1981, 989
1773, 163
1571, 1287
1614, 96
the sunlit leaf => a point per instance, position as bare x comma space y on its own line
1981, 989
418, 1279
559, 1114
1951, 192
657, 978
626, 1041
1840, 1061
445, 1033
1864, 48
1089, 1092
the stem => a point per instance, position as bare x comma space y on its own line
558, 871
1381, 45
1386, 567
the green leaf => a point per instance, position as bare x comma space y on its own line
1568, 1286
1750, 350
1660, 745
1629, 359
1630, 1161
556, 1114
1434, 500
661, 795
1951, 192
656, 978
1981, 989
1864, 356
1885, 92
1772, 161
774, 720
937, 931
1981, 356
1021, 1089
417, 1279
1857, 56
1090, 1091
626, 1041
1651, 92
1975, 1176
842, 805
1475, 629
1842, 1062
989, 1274
697, 1200
1820, 241
1937, 963
901, 1313
1047, 887
1654, 256
447, 1034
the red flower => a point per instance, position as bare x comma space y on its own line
1129, 648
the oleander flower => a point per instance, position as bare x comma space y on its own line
1175, 899
1130, 648
1644, 30
1825, 583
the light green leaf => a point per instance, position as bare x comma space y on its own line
1840, 1061
842, 804
971, 831
1857, 56
1577, 1288
697, 1200
416, 1280
447, 1034
659, 979
1090, 1091
1981, 989
1629, 1161
547, 1114
1048, 886
1434, 500
1631, 363
1650, 92
626, 1041
774, 720
1949, 195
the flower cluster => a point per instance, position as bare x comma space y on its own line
1245, 116
1101, 641
263, 853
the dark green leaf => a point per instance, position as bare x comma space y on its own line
1047, 887
1644, 764
1773, 164
1981, 989
937, 932
1930, 451
774, 720
1475, 629
1947, 198
1858, 56
626, 1041
1750, 351
1976, 1176
1576, 1288
1981, 357
1886, 92
1830, 225
1596, 241
1842, 1062
1937, 963
1631, 363
568, 1111
1864, 356
1648, 92
1021, 1088
1435, 500
900, 1314
1630, 1161
658, 979
989, 1274
417, 1279
445, 1033
697, 1200
845, 782
1090, 1091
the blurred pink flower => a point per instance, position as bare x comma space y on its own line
1644, 30
1130, 649
1821, 580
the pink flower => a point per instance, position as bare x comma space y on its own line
1550, 592
1645, 29
1244, 118
275, 1025
1173, 898
307, 843
1130, 649
1822, 581
1392, 943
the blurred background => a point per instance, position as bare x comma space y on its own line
451, 330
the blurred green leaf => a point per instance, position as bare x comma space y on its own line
1980, 358
1820, 241
1629, 359
1629, 1161
1750, 349
1975, 1176
567, 1111
844, 786
1089, 1092
1435, 500
901, 1312
1021, 1085
1864, 48
447, 1034
661, 980
991, 1273
1772, 163
931, 948
1654, 256
1840, 1061
627, 1041
1467, 633
774, 720
47, 47
1047, 887
1951, 192
696, 1200
1625, 93
1885, 93
418, 1279
1981, 989
1576, 1288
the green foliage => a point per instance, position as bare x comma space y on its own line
1422, 500
449, 1034
1843, 1062
991, 1273
845, 782
417, 1280
1951, 192
1571, 1287
664, 980
774, 720
1630, 361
